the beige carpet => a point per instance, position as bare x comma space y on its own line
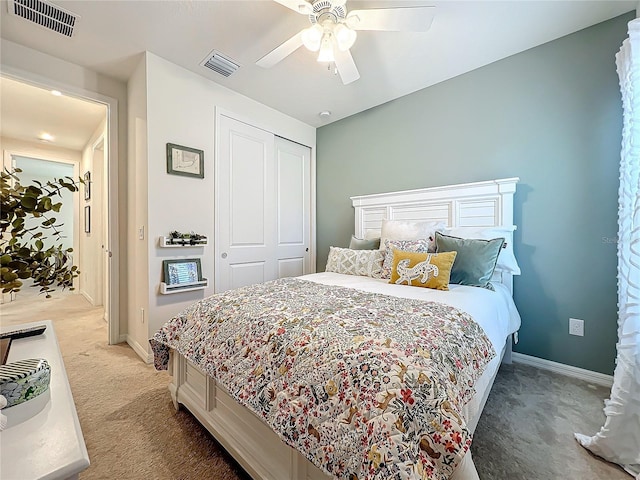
133, 432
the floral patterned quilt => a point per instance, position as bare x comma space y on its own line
366, 386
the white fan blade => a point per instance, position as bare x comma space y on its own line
346, 66
280, 52
401, 19
300, 6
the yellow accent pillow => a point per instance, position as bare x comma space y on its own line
430, 270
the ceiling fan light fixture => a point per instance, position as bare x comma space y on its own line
312, 37
326, 49
345, 37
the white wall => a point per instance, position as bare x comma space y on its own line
24, 63
37, 150
181, 109
91, 244
138, 276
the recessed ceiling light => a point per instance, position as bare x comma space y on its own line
46, 137
325, 114
56, 93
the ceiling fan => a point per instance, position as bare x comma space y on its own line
333, 31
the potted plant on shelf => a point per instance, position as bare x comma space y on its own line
23, 253
177, 238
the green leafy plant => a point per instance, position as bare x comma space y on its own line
175, 237
23, 253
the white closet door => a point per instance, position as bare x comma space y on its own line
246, 185
293, 208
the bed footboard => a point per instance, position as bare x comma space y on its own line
254, 445
251, 443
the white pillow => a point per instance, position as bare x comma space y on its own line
405, 230
421, 245
506, 259
364, 263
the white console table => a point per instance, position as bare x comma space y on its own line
47, 444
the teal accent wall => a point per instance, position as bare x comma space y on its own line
552, 116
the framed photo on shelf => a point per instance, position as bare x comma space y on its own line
87, 219
185, 161
87, 185
182, 271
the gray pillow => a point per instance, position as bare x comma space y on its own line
476, 259
364, 244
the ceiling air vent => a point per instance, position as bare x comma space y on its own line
45, 14
220, 63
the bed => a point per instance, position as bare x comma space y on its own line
253, 407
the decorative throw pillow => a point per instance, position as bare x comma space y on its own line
507, 259
476, 259
420, 245
430, 270
405, 230
366, 263
364, 243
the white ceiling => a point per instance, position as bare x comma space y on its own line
26, 112
465, 35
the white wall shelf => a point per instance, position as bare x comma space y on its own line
165, 242
166, 289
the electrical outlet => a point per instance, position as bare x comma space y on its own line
141, 233
576, 327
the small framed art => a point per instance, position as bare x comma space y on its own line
182, 271
87, 219
87, 185
185, 161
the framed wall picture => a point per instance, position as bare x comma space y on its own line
87, 219
185, 161
182, 271
87, 185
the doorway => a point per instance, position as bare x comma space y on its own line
79, 130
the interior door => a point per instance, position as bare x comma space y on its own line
245, 186
263, 212
293, 208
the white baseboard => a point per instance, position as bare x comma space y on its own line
568, 370
122, 338
88, 297
140, 350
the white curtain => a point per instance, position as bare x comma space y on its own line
619, 439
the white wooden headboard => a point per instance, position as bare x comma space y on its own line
478, 204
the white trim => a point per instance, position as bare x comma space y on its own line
140, 350
568, 370
88, 297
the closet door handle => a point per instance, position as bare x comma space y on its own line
224, 255
306, 249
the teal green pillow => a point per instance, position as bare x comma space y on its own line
476, 259
364, 244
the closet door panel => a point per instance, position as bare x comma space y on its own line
293, 205
291, 267
248, 176
245, 186
243, 274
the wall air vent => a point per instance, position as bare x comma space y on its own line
220, 63
45, 14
